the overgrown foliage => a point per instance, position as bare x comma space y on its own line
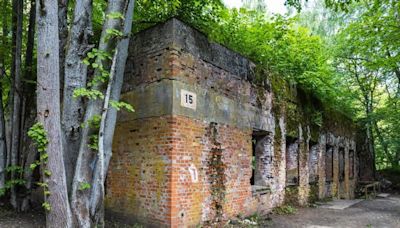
275, 43
315, 50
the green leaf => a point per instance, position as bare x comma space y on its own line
84, 186
33, 166
86, 61
115, 15
42, 184
2, 191
47, 172
46, 206
120, 104
88, 93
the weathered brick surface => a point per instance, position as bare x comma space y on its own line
150, 178
140, 171
179, 167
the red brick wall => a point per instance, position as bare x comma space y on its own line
140, 171
187, 195
149, 178
179, 171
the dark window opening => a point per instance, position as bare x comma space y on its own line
341, 164
329, 163
262, 158
313, 148
292, 161
351, 164
253, 159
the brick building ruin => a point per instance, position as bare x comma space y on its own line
207, 143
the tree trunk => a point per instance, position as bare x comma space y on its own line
30, 152
16, 112
11, 92
369, 126
29, 50
75, 78
48, 105
3, 142
29, 115
97, 190
63, 36
115, 83
83, 173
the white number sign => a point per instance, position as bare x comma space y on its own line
193, 173
188, 99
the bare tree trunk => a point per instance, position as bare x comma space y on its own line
29, 115
11, 92
29, 65
97, 212
16, 113
31, 155
75, 78
63, 35
48, 105
80, 199
370, 142
3, 142
369, 126
109, 120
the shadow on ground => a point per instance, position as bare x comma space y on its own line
379, 212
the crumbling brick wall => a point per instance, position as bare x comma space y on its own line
140, 172
185, 157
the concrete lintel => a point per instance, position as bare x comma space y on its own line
164, 98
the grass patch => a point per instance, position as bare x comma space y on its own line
114, 224
326, 199
285, 210
253, 221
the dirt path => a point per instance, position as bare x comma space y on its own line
380, 213
31, 219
